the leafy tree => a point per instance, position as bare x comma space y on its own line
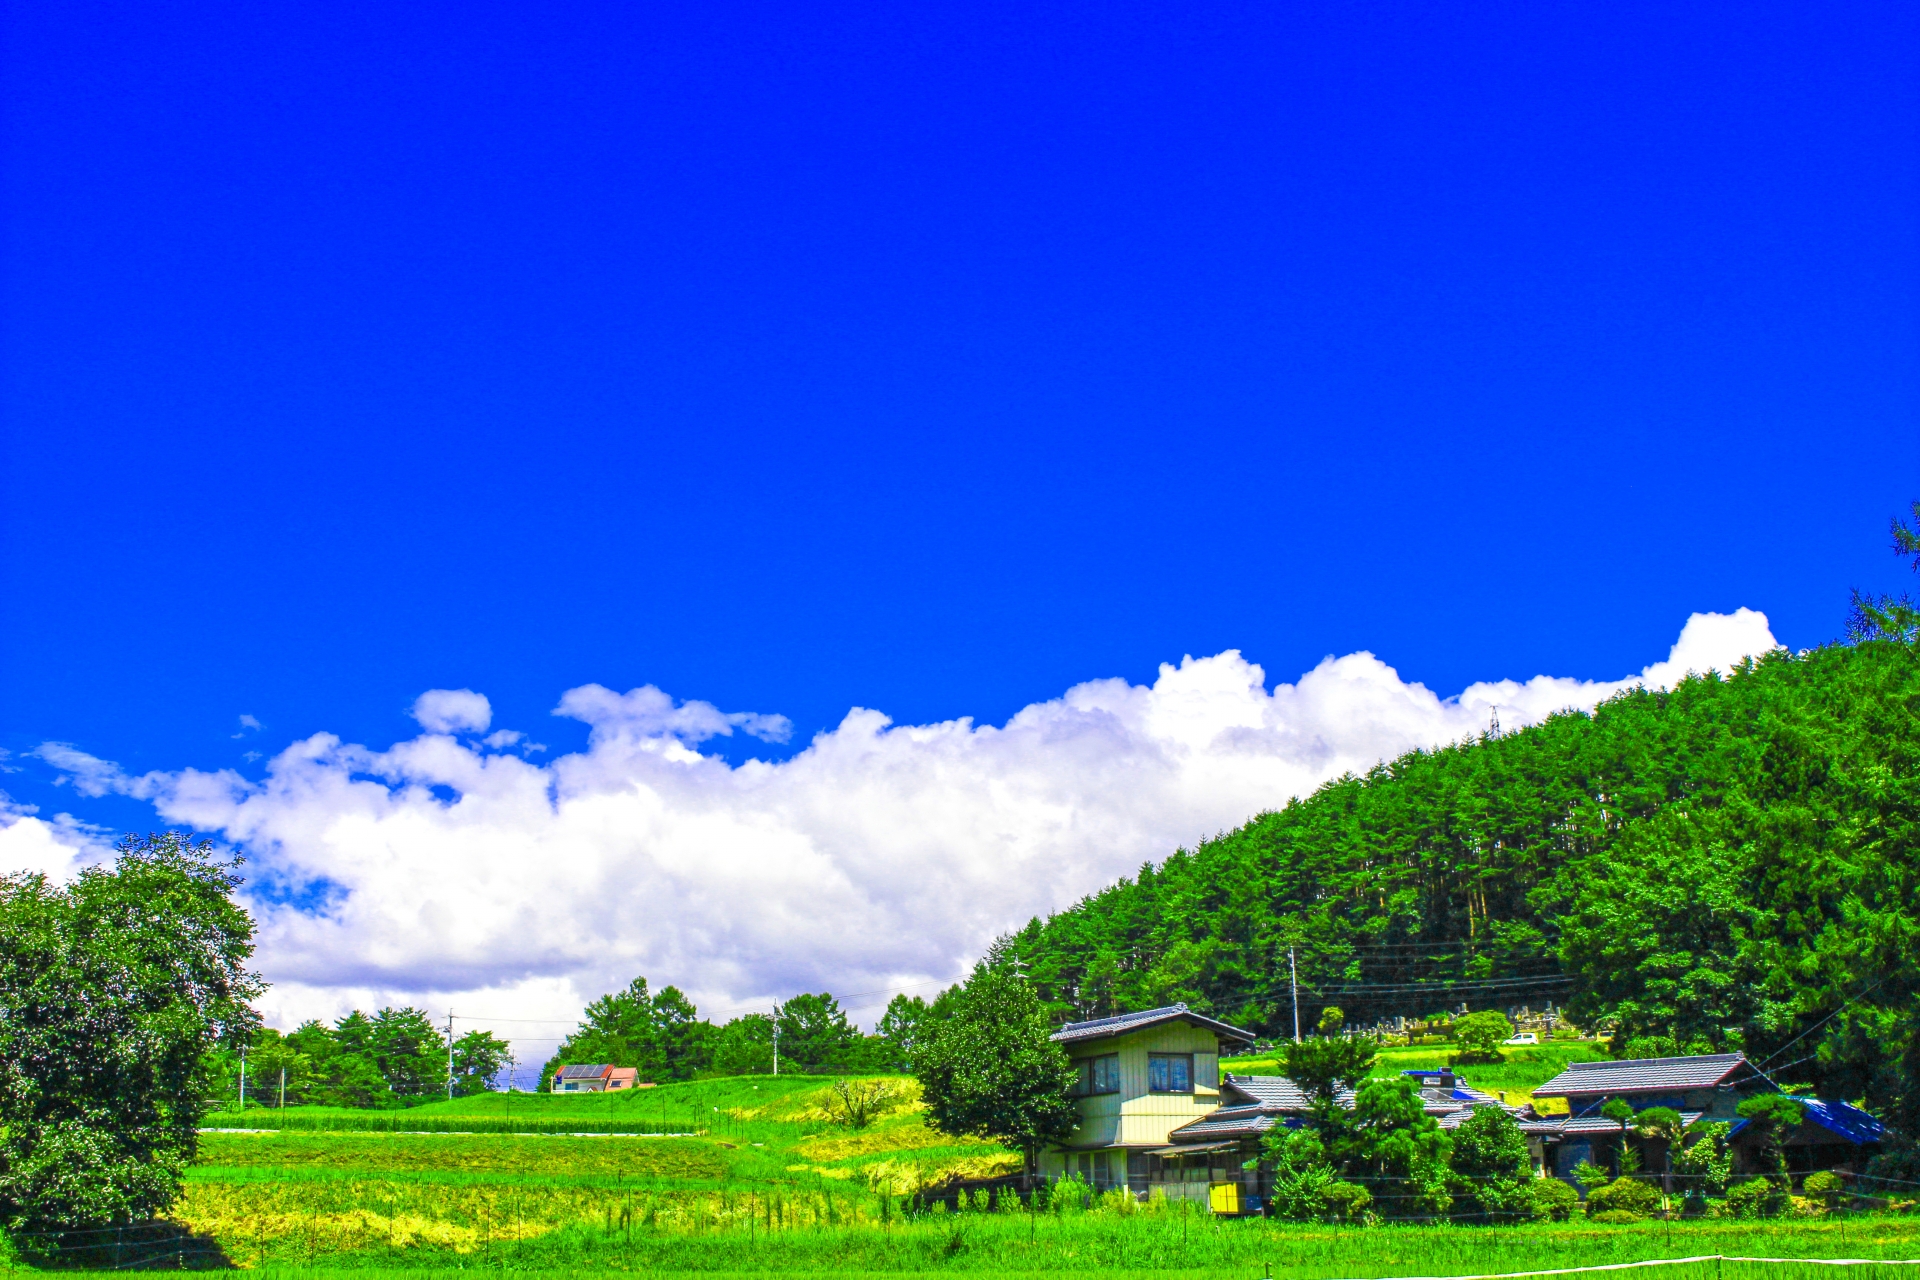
1331, 1020
1490, 1154
113, 992
991, 1069
744, 1046
343, 1072
1302, 1173
409, 1053
814, 1032
1707, 1162
478, 1057
910, 1021
659, 1035
276, 1069
1480, 1035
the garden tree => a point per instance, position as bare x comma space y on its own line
1480, 1035
1664, 1125
814, 1033
1325, 1068
1776, 1116
1400, 1151
1490, 1155
114, 990
992, 1070
1620, 1111
478, 1056
1705, 1163
1331, 1020
1302, 1173
660, 1035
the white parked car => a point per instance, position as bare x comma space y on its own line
1525, 1037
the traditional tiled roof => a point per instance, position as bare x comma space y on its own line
1277, 1092
1576, 1125
1227, 1122
1648, 1075
1122, 1023
584, 1071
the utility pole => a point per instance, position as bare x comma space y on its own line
1293, 980
776, 1039
449, 1055
283, 1088
243, 1077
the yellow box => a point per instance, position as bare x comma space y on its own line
1224, 1197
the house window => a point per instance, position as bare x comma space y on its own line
1170, 1072
1097, 1075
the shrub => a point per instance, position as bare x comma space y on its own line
1347, 1201
1826, 1187
1756, 1198
1553, 1200
1623, 1195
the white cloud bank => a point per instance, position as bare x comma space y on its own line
442, 870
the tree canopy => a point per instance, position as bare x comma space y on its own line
113, 991
1729, 864
991, 1070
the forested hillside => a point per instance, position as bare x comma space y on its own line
1729, 864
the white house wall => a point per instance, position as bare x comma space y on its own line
1133, 1117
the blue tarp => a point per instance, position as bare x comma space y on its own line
1843, 1119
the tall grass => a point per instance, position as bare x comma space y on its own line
827, 1230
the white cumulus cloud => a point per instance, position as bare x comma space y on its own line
438, 871
453, 711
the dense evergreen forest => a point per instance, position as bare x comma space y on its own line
1730, 864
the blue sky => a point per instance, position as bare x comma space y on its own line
927, 359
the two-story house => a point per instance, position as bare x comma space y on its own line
1141, 1076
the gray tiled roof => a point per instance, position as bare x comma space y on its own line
1600, 1124
1120, 1024
1645, 1075
1268, 1091
1227, 1122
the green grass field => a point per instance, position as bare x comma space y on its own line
768, 1185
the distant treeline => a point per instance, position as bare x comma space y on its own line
395, 1058
1731, 864
663, 1036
